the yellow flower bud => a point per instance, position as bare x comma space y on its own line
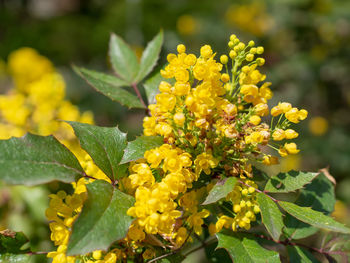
251, 190
232, 54
179, 118
260, 61
225, 77
190, 60
241, 46
249, 57
260, 50
165, 87
206, 51
255, 119
252, 50
224, 59
233, 37
244, 192
236, 208
97, 254
256, 209
181, 48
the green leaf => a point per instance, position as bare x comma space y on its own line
12, 242
151, 86
312, 217
246, 249
216, 255
319, 195
34, 159
298, 254
271, 215
103, 219
150, 56
136, 149
14, 258
123, 59
288, 182
104, 145
110, 86
220, 190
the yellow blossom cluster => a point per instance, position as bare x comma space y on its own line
212, 121
36, 102
250, 16
159, 180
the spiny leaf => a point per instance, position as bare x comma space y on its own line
105, 146
288, 182
136, 149
103, 219
319, 195
271, 215
123, 59
34, 159
220, 190
110, 86
312, 217
244, 248
150, 56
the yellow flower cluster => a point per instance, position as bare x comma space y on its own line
159, 180
250, 17
36, 103
212, 124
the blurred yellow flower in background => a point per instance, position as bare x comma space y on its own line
318, 126
290, 162
251, 17
187, 25
36, 103
341, 212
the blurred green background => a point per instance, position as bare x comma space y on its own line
307, 52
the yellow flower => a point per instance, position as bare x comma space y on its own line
206, 51
196, 220
186, 25
290, 134
205, 161
279, 135
318, 126
290, 148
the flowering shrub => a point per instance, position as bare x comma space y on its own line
195, 178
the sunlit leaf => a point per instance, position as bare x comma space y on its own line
34, 159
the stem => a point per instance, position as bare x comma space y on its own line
91, 177
134, 86
288, 243
204, 244
37, 253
